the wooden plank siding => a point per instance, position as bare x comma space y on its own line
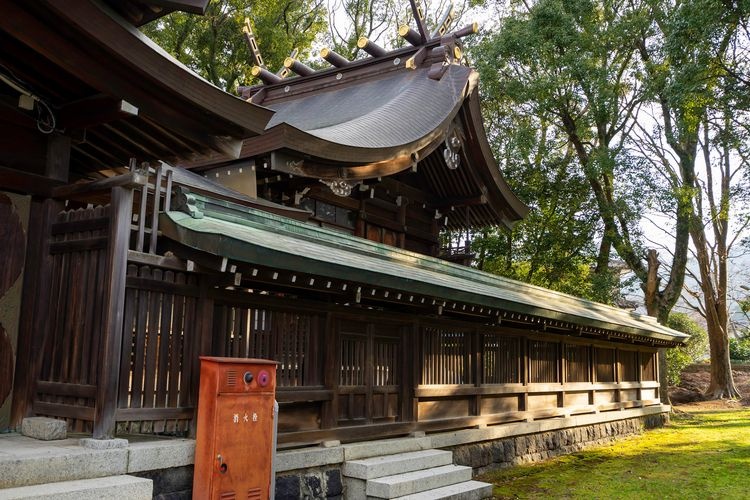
345, 372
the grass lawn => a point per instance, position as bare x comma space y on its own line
704, 454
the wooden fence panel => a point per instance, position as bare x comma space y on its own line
68, 375
501, 357
244, 331
445, 356
544, 359
156, 368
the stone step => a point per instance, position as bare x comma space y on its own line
468, 490
417, 481
24, 462
371, 468
101, 488
358, 451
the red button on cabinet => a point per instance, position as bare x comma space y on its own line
235, 438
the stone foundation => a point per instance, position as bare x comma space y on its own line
489, 455
310, 483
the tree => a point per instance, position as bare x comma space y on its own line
686, 53
554, 245
573, 64
213, 46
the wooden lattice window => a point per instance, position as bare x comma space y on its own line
629, 366
353, 360
605, 364
544, 359
501, 356
648, 366
386, 361
577, 359
445, 357
286, 337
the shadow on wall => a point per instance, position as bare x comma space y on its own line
14, 214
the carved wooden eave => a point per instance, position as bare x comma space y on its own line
83, 57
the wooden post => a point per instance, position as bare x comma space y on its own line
121, 208
34, 322
330, 338
202, 344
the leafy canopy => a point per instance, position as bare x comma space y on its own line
213, 46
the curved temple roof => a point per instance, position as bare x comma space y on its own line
401, 111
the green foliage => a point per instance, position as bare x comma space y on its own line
558, 95
739, 349
693, 351
699, 455
213, 45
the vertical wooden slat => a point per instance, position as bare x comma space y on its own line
152, 343
162, 373
175, 345
126, 352
106, 403
141, 326
155, 211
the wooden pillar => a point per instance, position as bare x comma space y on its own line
34, 321
202, 343
477, 366
121, 208
661, 375
331, 368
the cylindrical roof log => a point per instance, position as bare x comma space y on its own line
333, 58
266, 76
298, 67
371, 47
467, 30
410, 35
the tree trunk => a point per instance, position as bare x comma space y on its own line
722, 382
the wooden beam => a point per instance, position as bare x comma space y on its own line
23, 182
95, 110
130, 180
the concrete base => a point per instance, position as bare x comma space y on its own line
46, 429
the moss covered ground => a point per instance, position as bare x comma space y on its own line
701, 454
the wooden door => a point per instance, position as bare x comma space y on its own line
370, 361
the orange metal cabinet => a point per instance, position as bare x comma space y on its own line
236, 433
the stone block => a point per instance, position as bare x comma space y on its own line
160, 454
356, 451
43, 428
334, 487
308, 457
312, 486
103, 444
287, 488
103, 488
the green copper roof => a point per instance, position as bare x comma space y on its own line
247, 235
